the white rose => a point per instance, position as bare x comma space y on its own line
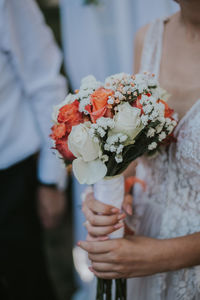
127, 121
81, 144
89, 172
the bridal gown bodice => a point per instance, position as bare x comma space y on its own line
170, 206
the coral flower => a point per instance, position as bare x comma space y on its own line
137, 104
99, 106
168, 110
62, 147
131, 181
99, 98
58, 131
70, 115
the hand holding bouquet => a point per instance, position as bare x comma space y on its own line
106, 126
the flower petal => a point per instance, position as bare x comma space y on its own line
89, 172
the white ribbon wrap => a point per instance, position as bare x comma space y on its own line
111, 192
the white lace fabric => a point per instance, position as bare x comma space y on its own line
170, 207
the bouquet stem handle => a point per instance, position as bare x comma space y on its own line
111, 192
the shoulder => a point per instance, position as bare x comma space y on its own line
138, 46
140, 35
147, 38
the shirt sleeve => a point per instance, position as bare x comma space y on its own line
37, 60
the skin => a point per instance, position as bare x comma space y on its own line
136, 256
51, 206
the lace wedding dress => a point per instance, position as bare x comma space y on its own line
170, 206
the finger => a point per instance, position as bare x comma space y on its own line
128, 231
102, 230
97, 247
103, 220
91, 238
99, 207
102, 257
128, 204
106, 275
105, 267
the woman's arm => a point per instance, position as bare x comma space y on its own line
142, 256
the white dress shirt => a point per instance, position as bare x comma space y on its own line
30, 84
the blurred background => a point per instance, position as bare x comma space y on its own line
98, 40
59, 240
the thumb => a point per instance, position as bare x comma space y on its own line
128, 204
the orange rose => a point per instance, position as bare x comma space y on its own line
99, 105
70, 115
168, 110
99, 98
58, 131
137, 104
109, 113
62, 147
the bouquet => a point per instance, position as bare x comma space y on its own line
102, 128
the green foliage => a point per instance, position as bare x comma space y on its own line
105, 291
132, 152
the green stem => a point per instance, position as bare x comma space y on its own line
104, 289
100, 291
116, 291
120, 289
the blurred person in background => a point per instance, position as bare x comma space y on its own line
98, 40
30, 85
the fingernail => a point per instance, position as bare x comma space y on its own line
91, 270
114, 210
121, 217
104, 238
118, 225
129, 209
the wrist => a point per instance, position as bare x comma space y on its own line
175, 254
47, 185
167, 255
164, 255
184, 251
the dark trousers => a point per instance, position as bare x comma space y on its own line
23, 274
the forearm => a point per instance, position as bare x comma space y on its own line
181, 252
